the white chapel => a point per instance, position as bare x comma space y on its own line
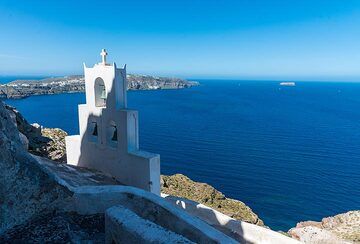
109, 132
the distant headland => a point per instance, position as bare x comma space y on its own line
69, 84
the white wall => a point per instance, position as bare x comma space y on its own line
121, 159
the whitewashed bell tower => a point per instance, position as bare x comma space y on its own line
109, 133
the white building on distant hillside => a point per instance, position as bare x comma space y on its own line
109, 133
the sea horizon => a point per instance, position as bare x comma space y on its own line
8, 78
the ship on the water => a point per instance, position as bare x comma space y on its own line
287, 83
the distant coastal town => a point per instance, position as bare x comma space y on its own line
69, 84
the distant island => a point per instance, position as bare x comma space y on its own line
69, 84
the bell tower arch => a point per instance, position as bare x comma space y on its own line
109, 134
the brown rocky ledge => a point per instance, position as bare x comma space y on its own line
181, 186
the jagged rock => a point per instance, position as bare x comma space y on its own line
45, 142
342, 228
315, 235
24, 188
36, 142
24, 141
181, 186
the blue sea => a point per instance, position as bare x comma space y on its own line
290, 153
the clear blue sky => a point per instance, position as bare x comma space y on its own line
247, 39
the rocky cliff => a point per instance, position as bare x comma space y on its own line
32, 203
181, 186
45, 142
24, 188
76, 83
342, 228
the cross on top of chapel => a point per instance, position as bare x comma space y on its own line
103, 55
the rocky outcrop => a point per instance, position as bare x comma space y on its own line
55, 148
342, 228
24, 188
181, 186
76, 83
33, 203
45, 142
